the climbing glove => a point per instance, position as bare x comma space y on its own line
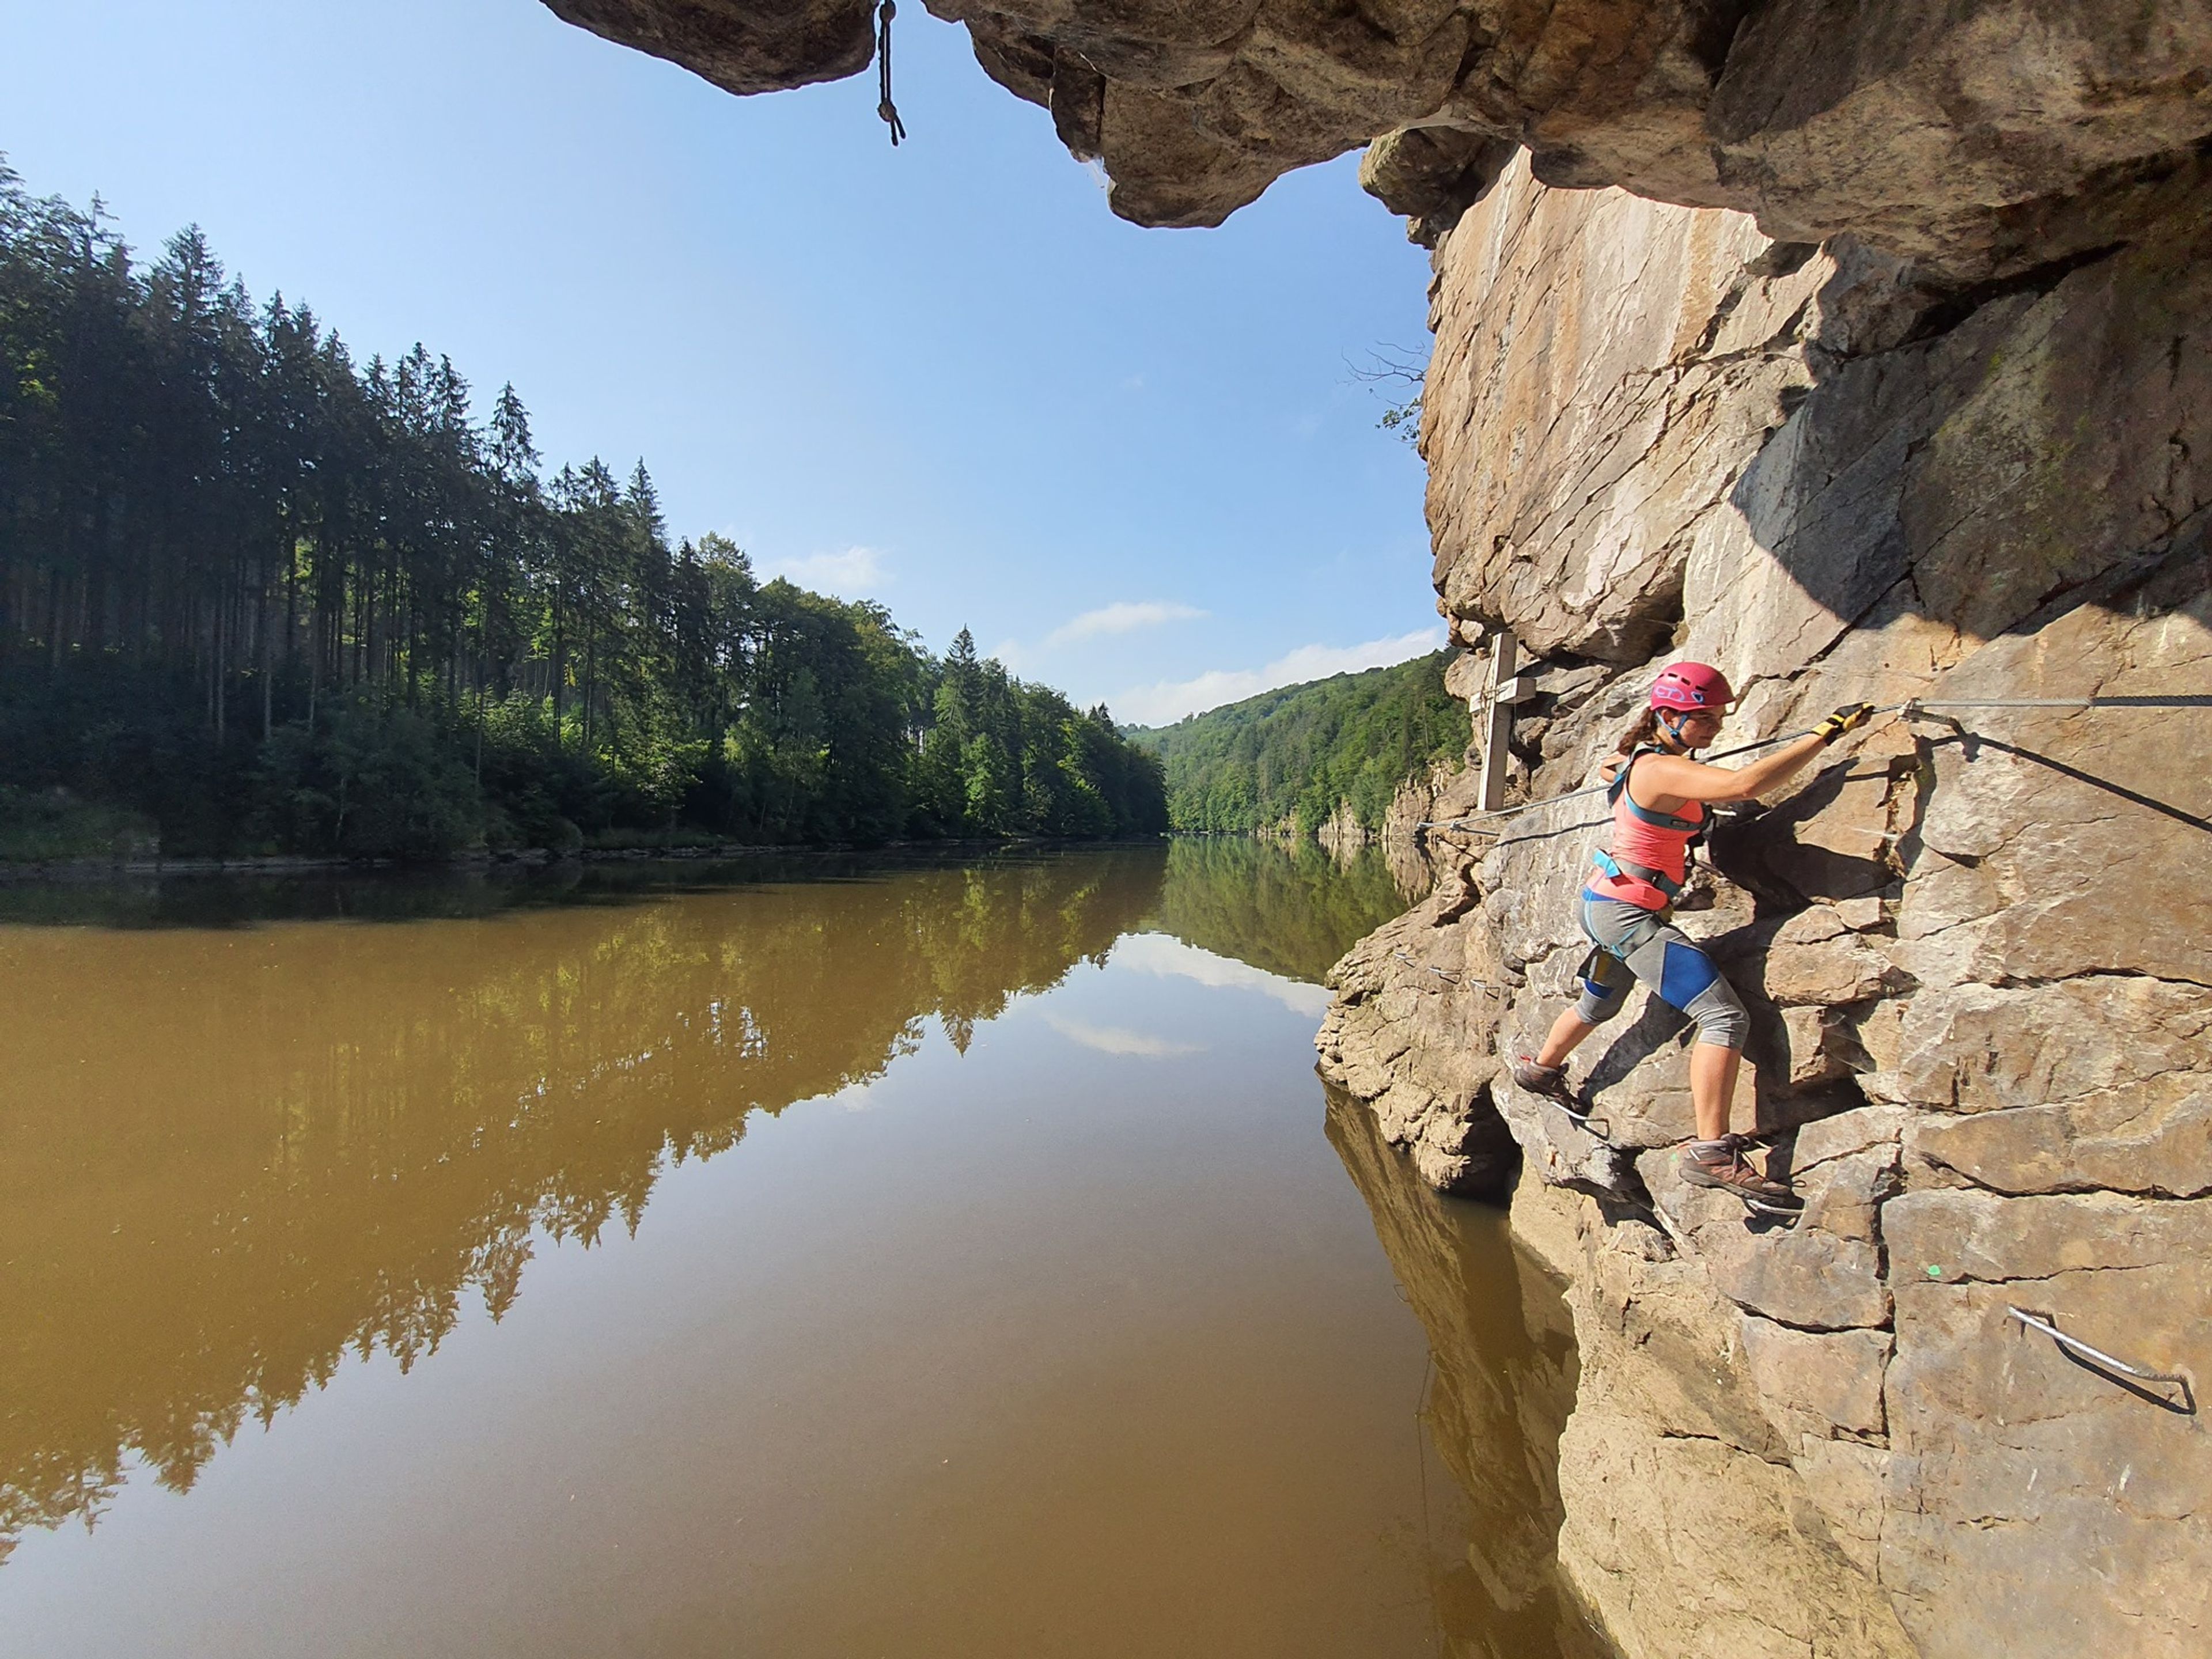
1849, 718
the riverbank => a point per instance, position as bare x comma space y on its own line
31, 872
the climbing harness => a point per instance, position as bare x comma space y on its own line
1911, 710
1622, 869
1693, 831
1617, 791
2047, 1323
884, 108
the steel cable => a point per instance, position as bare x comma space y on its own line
1908, 707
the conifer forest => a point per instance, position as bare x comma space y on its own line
259, 597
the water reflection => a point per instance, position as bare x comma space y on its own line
227, 1157
1291, 909
1503, 1384
240, 1144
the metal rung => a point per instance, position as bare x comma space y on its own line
1441, 973
2044, 1323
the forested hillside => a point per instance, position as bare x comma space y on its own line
256, 597
1295, 755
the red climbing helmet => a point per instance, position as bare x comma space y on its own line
1692, 685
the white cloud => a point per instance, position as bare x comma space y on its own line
1170, 700
1169, 956
1122, 617
1116, 1040
855, 572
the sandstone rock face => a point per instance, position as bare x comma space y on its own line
1977, 138
1971, 939
740, 45
1580, 427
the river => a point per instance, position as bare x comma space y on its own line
805, 1258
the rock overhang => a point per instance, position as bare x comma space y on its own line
1979, 139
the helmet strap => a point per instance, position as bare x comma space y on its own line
1670, 722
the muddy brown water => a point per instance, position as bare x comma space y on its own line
798, 1259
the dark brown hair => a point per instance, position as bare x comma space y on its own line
1646, 730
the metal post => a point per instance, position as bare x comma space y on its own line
1498, 730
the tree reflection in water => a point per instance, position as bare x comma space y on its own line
248, 1127
1291, 909
230, 1156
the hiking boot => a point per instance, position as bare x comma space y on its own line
1549, 1081
1723, 1164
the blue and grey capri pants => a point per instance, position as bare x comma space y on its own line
1633, 944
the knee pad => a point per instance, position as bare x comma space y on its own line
1721, 1016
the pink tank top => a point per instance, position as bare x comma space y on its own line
1657, 840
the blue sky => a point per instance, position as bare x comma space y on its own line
1135, 462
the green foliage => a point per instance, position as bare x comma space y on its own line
55, 824
1292, 756
275, 602
368, 783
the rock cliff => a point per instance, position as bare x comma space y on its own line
1858, 347
1973, 944
1980, 137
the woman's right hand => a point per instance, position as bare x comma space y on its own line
1849, 718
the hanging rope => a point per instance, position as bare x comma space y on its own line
1909, 710
884, 108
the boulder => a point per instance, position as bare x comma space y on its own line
2153, 1140
1835, 970
1687, 1529
1977, 1047
739, 46
1648, 416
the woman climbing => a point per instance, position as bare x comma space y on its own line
1662, 804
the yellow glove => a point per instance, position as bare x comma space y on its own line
1849, 718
